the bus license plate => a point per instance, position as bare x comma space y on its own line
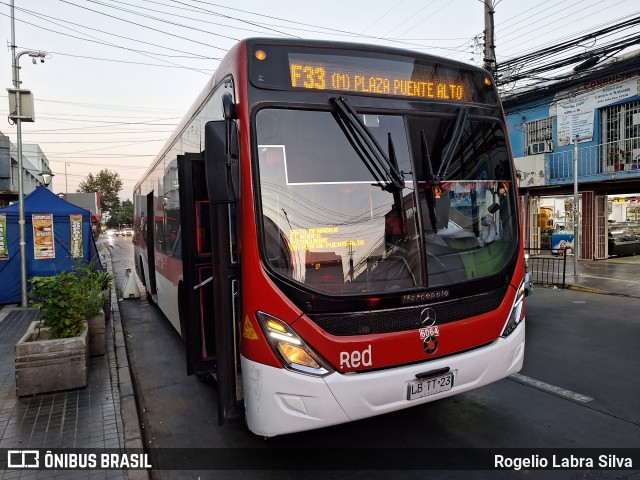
429, 386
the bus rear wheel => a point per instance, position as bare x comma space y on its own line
146, 290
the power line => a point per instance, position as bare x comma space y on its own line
147, 27
412, 15
425, 18
332, 31
51, 19
382, 16
102, 106
73, 132
108, 44
208, 72
176, 15
535, 63
573, 18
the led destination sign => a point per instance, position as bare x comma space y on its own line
375, 76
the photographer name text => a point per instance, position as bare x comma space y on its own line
562, 462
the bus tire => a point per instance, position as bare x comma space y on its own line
146, 290
141, 272
207, 379
150, 299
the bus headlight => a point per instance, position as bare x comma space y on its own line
517, 312
294, 353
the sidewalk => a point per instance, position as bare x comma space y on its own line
614, 276
102, 416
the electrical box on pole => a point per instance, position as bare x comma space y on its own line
27, 113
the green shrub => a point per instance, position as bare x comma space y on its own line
94, 300
66, 299
62, 306
103, 279
91, 281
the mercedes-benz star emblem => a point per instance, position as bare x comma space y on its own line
428, 317
428, 332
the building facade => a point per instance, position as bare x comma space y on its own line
34, 163
595, 114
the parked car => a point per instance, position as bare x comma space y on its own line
623, 241
112, 232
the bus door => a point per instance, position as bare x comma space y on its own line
151, 244
210, 290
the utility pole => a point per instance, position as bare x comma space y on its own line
576, 205
18, 116
16, 83
489, 42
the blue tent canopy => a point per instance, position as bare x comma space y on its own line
42, 201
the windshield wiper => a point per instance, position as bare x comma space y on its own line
382, 167
461, 119
431, 194
397, 192
436, 178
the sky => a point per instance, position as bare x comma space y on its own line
120, 74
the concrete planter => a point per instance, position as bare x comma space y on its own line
51, 365
97, 339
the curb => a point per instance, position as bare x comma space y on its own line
128, 406
580, 288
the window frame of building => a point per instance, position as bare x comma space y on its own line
621, 135
538, 136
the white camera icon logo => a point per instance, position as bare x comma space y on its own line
23, 459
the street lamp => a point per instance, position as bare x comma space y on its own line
18, 118
66, 185
46, 177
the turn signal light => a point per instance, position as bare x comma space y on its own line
293, 352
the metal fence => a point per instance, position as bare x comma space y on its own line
607, 159
547, 266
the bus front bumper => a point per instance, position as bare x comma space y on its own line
279, 401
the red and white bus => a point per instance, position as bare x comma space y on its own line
334, 231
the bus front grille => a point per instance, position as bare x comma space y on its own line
407, 318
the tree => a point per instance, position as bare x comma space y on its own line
126, 212
123, 215
108, 184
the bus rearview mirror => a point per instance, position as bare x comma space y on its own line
221, 160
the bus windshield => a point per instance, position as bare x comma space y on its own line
330, 222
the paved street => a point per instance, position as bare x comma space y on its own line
577, 390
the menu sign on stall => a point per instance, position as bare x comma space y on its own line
4, 247
43, 246
76, 236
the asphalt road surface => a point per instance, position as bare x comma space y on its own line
579, 389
